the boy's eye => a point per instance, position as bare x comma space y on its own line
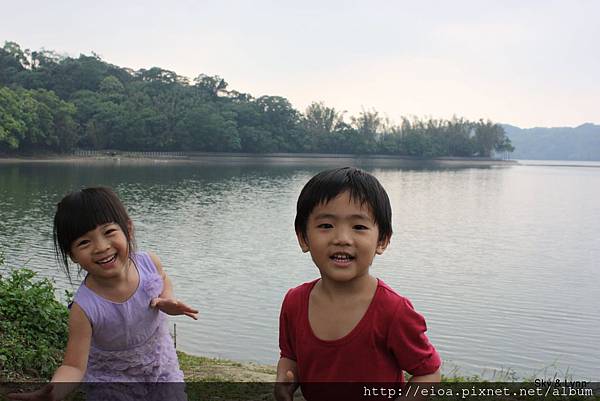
360, 227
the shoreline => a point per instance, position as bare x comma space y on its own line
174, 158
195, 368
202, 368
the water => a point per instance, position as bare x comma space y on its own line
503, 262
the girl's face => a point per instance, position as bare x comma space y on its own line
102, 252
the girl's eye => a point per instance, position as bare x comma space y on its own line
110, 231
82, 243
360, 227
325, 225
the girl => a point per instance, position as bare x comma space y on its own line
117, 332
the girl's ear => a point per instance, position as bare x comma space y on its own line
130, 229
73, 259
382, 245
302, 242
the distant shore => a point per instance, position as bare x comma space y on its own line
120, 157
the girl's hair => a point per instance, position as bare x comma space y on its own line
362, 186
82, 211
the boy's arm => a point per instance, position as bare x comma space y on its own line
166, 301
285, 382
434, 377
411, 347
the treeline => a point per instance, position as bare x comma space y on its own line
49, 102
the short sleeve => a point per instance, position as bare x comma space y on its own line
84, 298
152, 282
408, 342
286, 330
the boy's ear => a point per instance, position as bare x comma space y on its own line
302, 242
382, 245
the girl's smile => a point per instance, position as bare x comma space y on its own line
107, 263
102, 250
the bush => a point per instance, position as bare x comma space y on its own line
33, 326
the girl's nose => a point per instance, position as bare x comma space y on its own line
101, 244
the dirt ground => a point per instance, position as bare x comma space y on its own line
197, 368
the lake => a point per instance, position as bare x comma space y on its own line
502, 261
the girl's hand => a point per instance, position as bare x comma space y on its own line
174, 307
43, 394
285, 387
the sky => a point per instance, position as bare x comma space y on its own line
527, 63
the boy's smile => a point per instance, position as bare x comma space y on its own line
342, 238
342, 259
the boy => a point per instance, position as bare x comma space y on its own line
348, 326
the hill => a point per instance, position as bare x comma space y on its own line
559, 143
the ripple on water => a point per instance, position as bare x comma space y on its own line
502, 262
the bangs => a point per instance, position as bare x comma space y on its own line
82, 214
362, 188
357, 191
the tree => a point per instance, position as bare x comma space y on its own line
282, 121
52, 102
488, 137
12, 126
319, 122
212, 86
62, 133
45, 58
10, 67
36, 120
29, 122
156, 74
111, 86
320, 119
21, 56
368, 125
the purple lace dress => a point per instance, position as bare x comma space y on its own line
130, 340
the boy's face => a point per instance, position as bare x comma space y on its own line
342, 238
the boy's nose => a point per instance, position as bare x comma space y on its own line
342, 237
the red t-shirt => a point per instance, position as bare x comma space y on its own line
389, 339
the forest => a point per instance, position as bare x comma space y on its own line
51, 103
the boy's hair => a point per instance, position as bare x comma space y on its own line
82, 211
362, 187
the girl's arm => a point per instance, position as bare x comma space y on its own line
78, 348
68, 376
167, 291
166, 301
